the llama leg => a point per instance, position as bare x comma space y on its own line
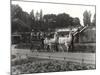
50, 47
67, 48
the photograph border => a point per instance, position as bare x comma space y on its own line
47, 2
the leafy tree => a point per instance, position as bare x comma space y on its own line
32, 14
20, 20
60, 21
41, 15
16, 11
64, 20
49, 20
49, 17
76, 21
87, 18
94, 20
32, 19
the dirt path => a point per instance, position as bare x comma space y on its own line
75, 57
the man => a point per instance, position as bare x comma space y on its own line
31, 39
56, 42
42, 39
72, 43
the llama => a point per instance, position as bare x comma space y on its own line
68, 41
49, 42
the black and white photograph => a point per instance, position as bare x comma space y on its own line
52, 37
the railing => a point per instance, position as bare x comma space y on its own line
79, 60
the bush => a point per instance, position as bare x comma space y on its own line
13, 56
26, 66
84, 48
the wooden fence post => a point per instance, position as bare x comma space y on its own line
82, 61
64, 58
49, 57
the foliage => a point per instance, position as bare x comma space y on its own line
81, 47
49, 66
64, 20
87, 18
94, 20
23, 21
88, 36
13, 56
76, 21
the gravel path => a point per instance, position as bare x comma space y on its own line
75, 57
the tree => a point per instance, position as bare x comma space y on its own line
94, 20
49, 17
76, 21
32, 14
49, 21
64, 20
87, 18
41, 15
60, 21
16, 11
20, 20
32, 19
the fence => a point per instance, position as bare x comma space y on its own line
79, 60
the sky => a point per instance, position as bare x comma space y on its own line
49, 8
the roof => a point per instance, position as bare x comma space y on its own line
66, 29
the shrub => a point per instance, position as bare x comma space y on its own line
13, 56
49, 66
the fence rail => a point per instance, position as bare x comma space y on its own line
79, 60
